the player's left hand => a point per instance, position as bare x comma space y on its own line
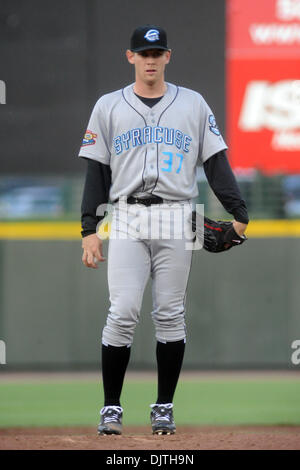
239, 227
218, 236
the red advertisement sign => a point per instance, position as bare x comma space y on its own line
263, 85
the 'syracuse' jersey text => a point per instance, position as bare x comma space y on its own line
152, 150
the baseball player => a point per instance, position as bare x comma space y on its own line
142, 146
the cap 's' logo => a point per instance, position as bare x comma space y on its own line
152, 35
89, 138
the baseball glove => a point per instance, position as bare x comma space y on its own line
216, 236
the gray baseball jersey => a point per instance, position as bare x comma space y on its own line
152, 150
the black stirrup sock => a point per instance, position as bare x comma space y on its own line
114, 364
169, 361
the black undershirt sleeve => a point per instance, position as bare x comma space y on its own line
223, 183
96, 192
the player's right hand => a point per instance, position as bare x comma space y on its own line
92, 251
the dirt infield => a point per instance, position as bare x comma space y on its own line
140, 438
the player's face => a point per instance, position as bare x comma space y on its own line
149, 65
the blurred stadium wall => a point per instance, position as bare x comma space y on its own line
56, 58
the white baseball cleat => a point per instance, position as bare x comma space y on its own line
111, 420
162, 420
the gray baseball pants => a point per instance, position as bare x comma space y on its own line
134, 254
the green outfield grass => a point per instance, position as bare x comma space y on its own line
197, 402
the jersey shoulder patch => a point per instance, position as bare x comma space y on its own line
89, 138
213, 125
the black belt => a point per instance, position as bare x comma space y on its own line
145, 201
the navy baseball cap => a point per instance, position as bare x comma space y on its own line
148, 37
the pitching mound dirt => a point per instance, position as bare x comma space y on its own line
140, 438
